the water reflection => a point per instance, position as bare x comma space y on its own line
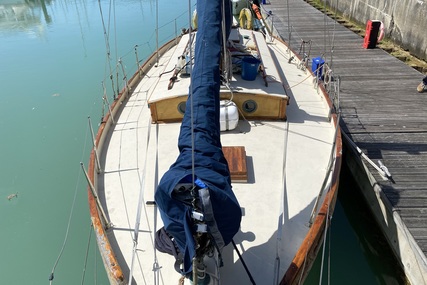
24, 15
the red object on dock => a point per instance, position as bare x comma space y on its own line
371, 34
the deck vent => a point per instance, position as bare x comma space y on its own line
250, 106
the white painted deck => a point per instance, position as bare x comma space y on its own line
131, 166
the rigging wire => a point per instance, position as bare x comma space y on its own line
283, 201
107, 45
224, 46
156, 266
193, 174
115, 31
51, 276
141, 181
140, 201
95, 272
191, 96
157, 32
329, 253
289, 24
324, 28
333, 36
327, 229
87, 253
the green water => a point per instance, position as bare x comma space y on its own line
52, 63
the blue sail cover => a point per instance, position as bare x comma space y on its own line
210, 166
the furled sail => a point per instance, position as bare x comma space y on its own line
206, 205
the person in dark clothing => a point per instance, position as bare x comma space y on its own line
422, 86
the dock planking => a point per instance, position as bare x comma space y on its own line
380, 108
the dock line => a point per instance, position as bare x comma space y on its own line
382, 169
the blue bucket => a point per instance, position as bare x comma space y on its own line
317, 66
250, 67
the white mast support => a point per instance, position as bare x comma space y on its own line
98, 165
92, 188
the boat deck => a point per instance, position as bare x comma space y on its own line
275, 216
383, 114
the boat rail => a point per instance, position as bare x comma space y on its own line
122, 87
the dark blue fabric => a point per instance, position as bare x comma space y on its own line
210, 165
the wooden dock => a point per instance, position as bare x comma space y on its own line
383, 114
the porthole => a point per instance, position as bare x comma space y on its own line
181, 107
250, 106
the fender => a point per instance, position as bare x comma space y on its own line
245, 18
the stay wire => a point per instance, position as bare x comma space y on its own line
87, 253
191, 98
107, 44
51, 276
327, 230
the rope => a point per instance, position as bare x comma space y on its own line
363, 155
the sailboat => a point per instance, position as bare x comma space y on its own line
225, 172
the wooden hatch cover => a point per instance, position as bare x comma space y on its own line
236, 158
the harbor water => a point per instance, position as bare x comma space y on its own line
53, 70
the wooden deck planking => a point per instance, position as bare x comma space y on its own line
381, 109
